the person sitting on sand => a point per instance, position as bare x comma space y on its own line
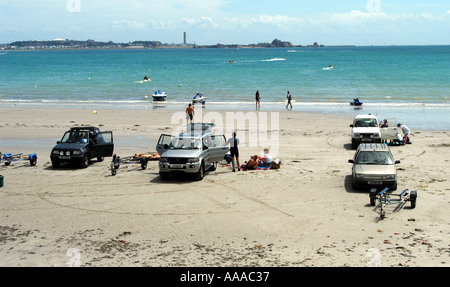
266, 160
252, 163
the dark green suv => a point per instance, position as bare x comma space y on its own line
80, 145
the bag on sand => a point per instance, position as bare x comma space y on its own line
275, 164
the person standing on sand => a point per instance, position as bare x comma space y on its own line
234, 151
289, 98
258, 98
190, 113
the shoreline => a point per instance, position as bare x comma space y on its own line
418, 116
303, 214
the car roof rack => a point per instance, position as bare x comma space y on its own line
373, 146
82, 127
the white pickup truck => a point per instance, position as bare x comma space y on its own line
367, 129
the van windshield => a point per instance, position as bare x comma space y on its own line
366, 123
374, 157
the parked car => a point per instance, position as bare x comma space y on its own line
365, 129
374, 166
81, 144
194, 151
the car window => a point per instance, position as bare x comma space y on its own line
104, 137
366, 123
218, 140
374, 157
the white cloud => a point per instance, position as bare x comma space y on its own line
123, 25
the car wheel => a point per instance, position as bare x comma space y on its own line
164, 175
84, 162
213, 167
373, 197
201, 172
55, 163
394, 187
354, 145
33, 161
413, 198
143, 164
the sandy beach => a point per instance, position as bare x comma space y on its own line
303, 214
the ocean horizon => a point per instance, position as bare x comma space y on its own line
408, 83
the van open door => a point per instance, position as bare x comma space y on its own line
164, 143
390, 132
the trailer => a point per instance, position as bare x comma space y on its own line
385, 199
139, 158
8, 158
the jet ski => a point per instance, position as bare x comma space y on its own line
199, 98
159, 96
356, 102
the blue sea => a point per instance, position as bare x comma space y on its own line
409, 83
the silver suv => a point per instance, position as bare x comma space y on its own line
194, 151
374, 165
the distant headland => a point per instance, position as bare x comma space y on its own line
66, 44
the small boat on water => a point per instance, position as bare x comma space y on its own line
198, 98
356, 102
159, 96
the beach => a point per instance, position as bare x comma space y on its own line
303, 214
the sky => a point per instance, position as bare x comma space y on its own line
207, 22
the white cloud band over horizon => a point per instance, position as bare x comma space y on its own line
371, 22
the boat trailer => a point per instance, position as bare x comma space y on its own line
142, 159
387, 199
7, 158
